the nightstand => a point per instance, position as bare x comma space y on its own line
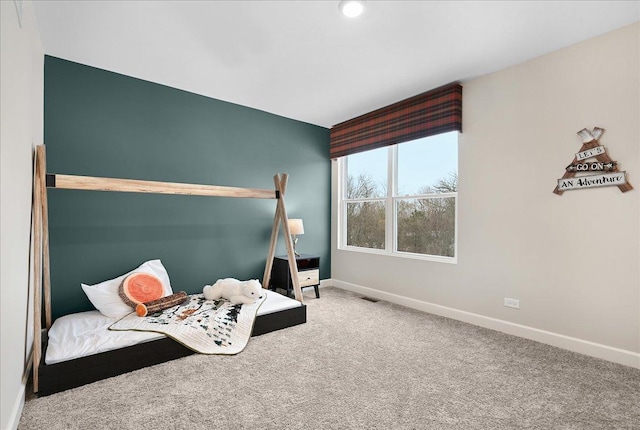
308, 273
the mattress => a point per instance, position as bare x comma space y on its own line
87, 333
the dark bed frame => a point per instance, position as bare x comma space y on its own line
85, 370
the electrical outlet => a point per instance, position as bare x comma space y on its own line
512, 303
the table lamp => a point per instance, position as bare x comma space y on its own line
296, 227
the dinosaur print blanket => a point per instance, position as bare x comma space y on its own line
205, 326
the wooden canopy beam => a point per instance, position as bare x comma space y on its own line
280, 180
92, 183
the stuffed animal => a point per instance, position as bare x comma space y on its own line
235, 291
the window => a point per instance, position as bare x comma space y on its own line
401, 199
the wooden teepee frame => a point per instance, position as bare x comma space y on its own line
42, 181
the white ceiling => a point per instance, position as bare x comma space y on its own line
303, 59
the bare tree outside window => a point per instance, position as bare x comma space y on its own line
427, 225
365, 220
418, 204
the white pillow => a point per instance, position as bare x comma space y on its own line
104, 296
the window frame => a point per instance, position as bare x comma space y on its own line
391, 222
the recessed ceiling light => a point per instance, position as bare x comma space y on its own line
351, 8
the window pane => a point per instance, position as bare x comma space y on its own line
428, 165
365, 224
367, 174
427, 226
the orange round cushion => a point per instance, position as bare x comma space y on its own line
140, 288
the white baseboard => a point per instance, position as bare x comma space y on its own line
16, 410
616, 355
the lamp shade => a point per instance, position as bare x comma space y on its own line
296, 226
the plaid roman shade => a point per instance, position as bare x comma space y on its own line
436, 111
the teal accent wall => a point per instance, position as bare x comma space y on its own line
100, 123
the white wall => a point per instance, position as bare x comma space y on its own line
21, 127
572, 260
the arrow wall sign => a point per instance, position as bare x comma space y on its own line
592, 149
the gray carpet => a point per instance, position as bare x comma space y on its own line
360, 365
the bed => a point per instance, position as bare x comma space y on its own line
79, 348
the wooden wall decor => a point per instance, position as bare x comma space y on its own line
591, 149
